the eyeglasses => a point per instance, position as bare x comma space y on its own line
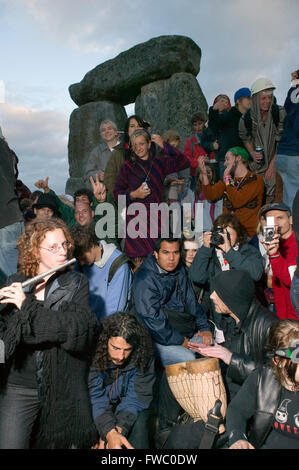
56, 248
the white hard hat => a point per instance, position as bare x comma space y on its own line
261, 84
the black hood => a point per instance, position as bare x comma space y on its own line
236, 289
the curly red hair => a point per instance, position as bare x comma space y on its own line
31, 239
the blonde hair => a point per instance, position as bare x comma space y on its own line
171, 135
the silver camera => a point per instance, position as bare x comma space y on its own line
269, 230
145, 187
268, 233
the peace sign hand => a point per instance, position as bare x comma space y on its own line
98, 188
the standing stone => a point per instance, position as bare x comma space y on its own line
169, 104
120, 79
84, 135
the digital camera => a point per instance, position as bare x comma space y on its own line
268, 233
217, 238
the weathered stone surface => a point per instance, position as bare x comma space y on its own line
120, 79
84, 135
169, 104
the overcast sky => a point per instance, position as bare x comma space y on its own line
46, 45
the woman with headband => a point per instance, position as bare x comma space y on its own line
47, 335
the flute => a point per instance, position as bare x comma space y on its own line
34, 279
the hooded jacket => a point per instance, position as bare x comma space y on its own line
156, 291
247, 339
106, 297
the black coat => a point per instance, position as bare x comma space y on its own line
227, 126
258, 400
248, 342
9, 205
62, 333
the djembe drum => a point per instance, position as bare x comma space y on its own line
196, 385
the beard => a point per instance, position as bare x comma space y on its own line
233, 170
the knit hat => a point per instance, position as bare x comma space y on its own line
242, 93
240, 151
236, 289
275, 206
46, 200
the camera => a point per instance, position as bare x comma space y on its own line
217, 238
268, 233
145, 187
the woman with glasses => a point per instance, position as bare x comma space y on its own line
47, 334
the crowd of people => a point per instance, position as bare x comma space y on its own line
92, 315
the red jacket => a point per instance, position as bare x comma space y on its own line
281, 281
193, 150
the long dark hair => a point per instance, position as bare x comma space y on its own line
141, 123
129, 328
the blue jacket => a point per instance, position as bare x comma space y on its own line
107, 298
289, 142
135, 388
154, 291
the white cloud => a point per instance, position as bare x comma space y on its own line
2, 91
39, 138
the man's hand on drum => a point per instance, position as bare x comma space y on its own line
212, 351
241, 444
206, 337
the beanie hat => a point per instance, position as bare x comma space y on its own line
46, 200
242, 93
240, 151
236, 289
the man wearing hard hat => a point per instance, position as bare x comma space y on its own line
260, 130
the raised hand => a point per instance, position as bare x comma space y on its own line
98, 188
43, 184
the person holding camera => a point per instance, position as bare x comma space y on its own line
225, 248
280, 244
242, 190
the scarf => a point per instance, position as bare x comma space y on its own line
264, 132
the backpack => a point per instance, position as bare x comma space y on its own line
248, 121
117, 263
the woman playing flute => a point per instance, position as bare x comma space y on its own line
48, 333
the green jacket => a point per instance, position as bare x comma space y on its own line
114, 163
68, 215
